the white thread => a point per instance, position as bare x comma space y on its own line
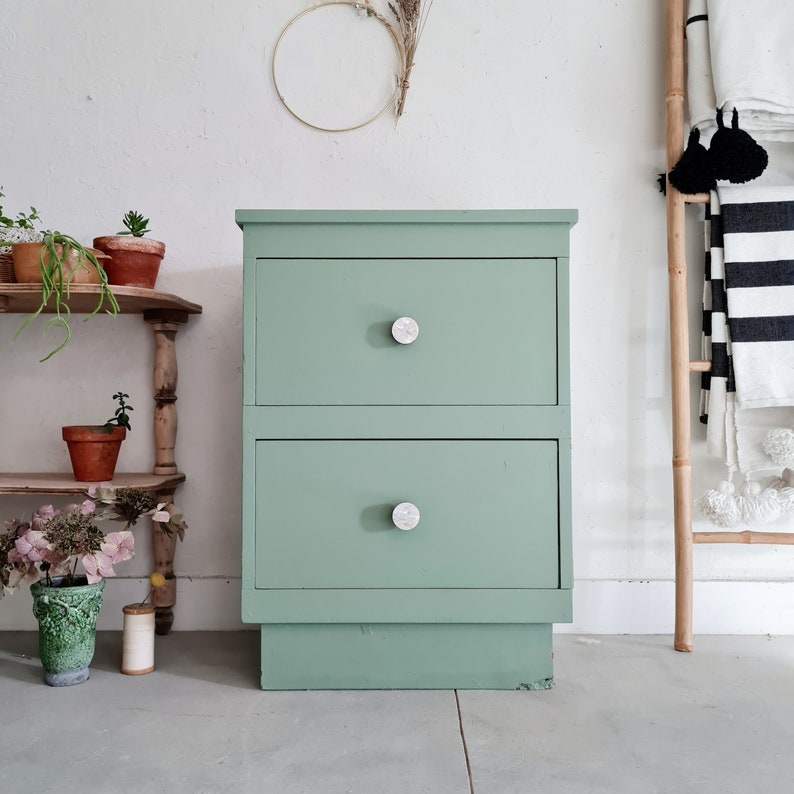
138, 640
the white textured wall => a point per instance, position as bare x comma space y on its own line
169, 108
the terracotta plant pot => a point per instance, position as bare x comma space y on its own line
135, 261
27, 268
93, 450
8, 236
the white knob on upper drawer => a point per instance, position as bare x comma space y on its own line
405, 330
405, 515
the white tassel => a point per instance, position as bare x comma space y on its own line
757, 505
785, 494
779, 445
719, 506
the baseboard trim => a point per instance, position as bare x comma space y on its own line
648, 607
599, 607
210, 604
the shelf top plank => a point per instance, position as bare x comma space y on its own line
25, 298
65, 483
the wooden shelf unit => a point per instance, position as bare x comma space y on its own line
165, 313
25, 298
65, 483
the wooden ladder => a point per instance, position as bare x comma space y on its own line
681, 366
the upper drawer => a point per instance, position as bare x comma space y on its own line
487, 332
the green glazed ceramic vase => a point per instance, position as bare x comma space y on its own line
67, 627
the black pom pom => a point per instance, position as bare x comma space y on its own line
661, 180
735, 156
693, 173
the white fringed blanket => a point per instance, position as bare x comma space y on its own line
740, 54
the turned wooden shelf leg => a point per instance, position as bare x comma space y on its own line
164, 548
165, 324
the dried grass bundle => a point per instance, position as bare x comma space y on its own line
411, 16
407, 20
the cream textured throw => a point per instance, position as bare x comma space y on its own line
740, 54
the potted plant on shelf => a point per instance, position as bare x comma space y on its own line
94, 449
45, 552
135, 261
57, 262
15, 230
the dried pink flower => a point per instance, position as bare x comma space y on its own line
54, 541
32, 545
119, 546
97, 566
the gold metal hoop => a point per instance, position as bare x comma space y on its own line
352, 4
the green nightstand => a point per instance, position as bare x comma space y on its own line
406, 446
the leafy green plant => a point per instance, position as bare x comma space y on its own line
22, 221
135, 224
56, 280
121, 418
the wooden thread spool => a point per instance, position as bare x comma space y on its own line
137, 655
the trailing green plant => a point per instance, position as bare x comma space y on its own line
22, 221
135, 224
55, 284
121, 418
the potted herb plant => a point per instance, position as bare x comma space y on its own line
15, 230
135, 261
57, 262
45, 552
94, 449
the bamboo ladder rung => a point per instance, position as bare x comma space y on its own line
700, 366
747, 536
695, 198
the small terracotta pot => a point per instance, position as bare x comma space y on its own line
135, 261
93, 450
27, 268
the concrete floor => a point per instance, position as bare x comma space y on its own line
626, 714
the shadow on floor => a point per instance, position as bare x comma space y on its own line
229, 659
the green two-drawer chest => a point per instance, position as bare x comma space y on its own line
406, 446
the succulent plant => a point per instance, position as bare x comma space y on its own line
22, 221
135, 224
121, 417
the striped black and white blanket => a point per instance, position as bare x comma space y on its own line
748, 321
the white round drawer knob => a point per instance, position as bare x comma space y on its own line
405, 515
405, 330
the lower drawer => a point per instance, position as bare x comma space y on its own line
489, 514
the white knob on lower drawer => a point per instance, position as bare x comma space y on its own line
405, 330
405, 515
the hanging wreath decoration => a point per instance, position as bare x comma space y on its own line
405, 21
